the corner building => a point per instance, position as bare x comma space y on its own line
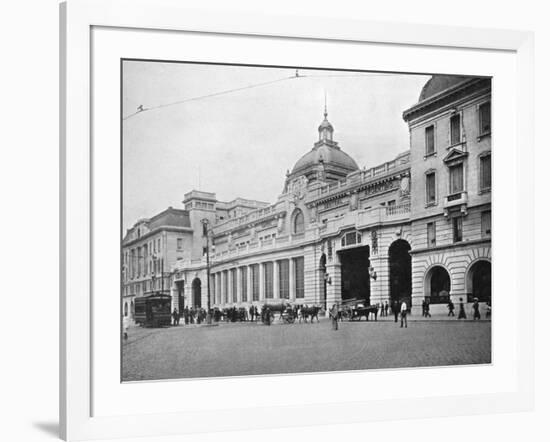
415, 227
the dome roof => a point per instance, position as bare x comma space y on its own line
325, 125
332, 156
439, 83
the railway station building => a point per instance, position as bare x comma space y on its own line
415, 227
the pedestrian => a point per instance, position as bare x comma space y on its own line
186, 315
451, 308
427, 306
386, 307
404, 313
267, 315
176, 316
461, 311
251, 311
476, 309
488, 310
125, 324
333, 313
395, 308
423, 308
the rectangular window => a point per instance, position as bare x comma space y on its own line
268, 281
244, 284
430, 188
430, 140
139, 262
485, 118
457, 229
180, 244
284, 287
255, 282
431, 234
486, 224
455, 129
456, 175
485, 172
234, 284
299, 276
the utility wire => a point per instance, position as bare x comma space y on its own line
141, 108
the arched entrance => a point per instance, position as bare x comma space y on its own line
400, 270
196, 287
437, 285
323, 280
355, 265
478, 281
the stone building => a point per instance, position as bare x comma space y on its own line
415, 227
450, 133
149, 250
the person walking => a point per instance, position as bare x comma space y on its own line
176, 316
488, 310
461, 311
125, 324
333, 313
427, 307
451, 308
475, 307
395, 308
404, 313
251, 312
423, 308
186, 315
386, 307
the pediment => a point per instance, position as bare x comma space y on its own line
455, 155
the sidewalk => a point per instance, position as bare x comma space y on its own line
434, 318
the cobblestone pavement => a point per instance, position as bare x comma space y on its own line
247, 348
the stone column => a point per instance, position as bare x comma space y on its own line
380, 288
334, 289
239, 285
249, 283
230, 286
291, 280
262, 283
276, 294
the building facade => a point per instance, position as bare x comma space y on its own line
340, 232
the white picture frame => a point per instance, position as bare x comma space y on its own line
78, 18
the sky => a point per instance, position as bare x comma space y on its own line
241, 143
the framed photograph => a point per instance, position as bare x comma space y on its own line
258, 206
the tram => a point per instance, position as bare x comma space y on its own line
153, 310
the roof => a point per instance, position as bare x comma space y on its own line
440, 83
330, 155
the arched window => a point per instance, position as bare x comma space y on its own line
298, 224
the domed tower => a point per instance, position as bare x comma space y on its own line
325, 162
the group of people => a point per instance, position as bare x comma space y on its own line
190, 316
475, 309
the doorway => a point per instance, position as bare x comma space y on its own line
355, 265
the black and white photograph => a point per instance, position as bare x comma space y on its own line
289, 219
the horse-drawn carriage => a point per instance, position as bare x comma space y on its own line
354, 309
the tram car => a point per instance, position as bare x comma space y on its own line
153, 310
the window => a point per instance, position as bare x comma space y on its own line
351, 238
455, 129
391, 203
244, 286
456, 175
180, 243
430, 188
431, 234
485, 118
299, 276
430, 140
255, 282
234, 284
486, 224
268, 281
283, 279
457, 229
139, 261
298, 225
485, 172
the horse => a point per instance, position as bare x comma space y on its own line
306, 312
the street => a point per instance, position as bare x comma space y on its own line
238, 349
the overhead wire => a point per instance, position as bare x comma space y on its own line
141, 108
